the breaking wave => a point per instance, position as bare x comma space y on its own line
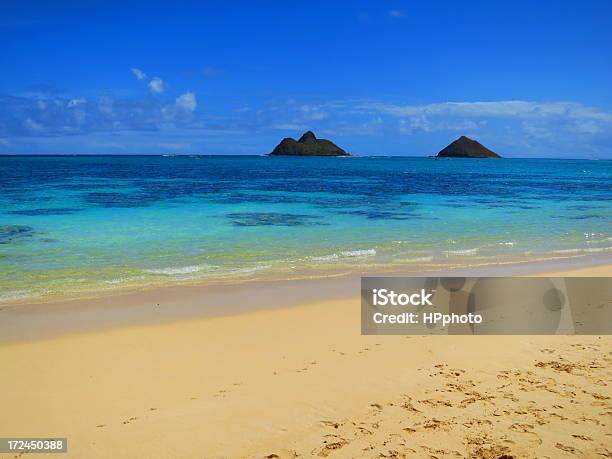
346, 254
179, 270
463, 252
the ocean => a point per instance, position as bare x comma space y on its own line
76, 225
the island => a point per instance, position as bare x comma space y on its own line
464, 147
308, 145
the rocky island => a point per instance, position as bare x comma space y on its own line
464, 147
308, 145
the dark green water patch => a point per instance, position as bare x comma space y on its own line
382, 214
11, 233
272, 219
51, 211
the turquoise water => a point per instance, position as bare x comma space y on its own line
75, 224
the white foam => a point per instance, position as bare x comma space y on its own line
250, 270
175, 271
115, 281
508, 243
463, 251
359, 253
585, 250
14, 295
333, 256
345, 254
567, 251
122, 280
598, 249
417, 260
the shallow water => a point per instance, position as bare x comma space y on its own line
73, 224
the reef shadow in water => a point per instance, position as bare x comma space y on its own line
11, 233
52, 211
109, 199
382, 214
584, 207
19, 198
588, 217
272, 219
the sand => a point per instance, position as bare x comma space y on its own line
301, 381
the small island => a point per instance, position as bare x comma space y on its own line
308, 145
464, 147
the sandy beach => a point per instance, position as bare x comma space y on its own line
301, 381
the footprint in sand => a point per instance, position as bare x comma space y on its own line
560, 366
482, 446
434, 452
582, 437
282, 455
522, 428
364, 431
566, 448
407, 405
333, 424
434, 424
436, 402
331, 444
477, 423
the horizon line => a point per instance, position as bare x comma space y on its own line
268, 154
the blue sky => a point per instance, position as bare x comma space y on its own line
528, 79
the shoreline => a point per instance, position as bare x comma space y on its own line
408, 269
42, 320
510, 267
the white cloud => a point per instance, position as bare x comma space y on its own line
33, 126
519, 127
499, 109
75, 102
396, 14
586, 127
536, 118
139, 74
157, 85
313, 112
106, 106
288, 126
174, 145
425, 124
187, 101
